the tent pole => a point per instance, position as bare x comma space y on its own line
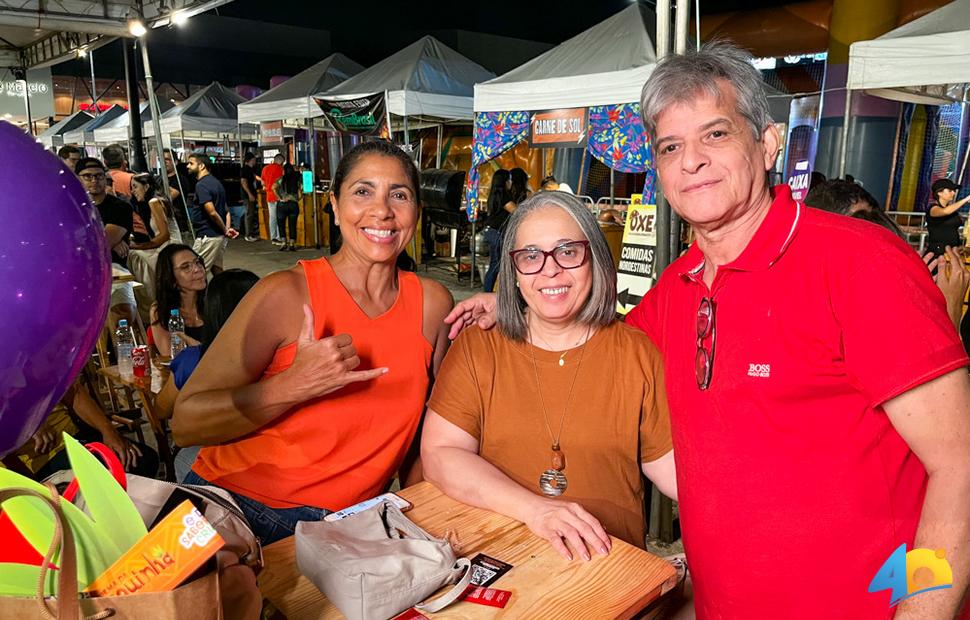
663, 208
612, 187
681, 23
963, 167
892, 168
178, 180
680, 26
387, 114
94, 88
437, 158
312, 136
156, 117
30, 125
966, 148
843, 148
697, 25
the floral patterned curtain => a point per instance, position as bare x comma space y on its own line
495, 133
618, 140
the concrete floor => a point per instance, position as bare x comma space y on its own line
262, 258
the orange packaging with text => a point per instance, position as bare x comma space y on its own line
173, 549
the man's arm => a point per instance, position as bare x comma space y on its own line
114, 234
934, 420
249, 191
210, 210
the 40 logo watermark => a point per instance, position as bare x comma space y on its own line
909, 574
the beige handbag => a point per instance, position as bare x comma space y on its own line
377, 563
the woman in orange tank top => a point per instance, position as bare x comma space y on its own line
311, 396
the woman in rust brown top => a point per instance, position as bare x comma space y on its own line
551, 418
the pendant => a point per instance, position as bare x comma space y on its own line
562, 362
558, 459
552, 483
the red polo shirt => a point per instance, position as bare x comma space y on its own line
794, 487
269, 174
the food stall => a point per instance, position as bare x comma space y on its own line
426, 84
288, 106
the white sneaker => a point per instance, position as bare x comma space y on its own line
278, 242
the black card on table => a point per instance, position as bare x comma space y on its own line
486, 570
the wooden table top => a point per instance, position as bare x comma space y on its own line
543, 584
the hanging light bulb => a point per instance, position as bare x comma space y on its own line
179, 18
137, 28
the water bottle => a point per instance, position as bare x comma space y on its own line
176, 331
125, 343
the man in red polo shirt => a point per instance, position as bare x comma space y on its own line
819, 400
269, 174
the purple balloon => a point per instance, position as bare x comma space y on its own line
55, 283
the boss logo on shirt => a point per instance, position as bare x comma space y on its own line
759, 370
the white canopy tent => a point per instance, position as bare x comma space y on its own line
211, 112
294, 97
116, 130
606, 64
85, 133
426, 79
925, 61
54, 135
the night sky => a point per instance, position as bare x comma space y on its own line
359, 30
367, 32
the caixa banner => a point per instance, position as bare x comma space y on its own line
362, 116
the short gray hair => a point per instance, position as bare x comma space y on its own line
679, 78
599, 309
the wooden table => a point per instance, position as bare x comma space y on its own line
543, 584
143, 385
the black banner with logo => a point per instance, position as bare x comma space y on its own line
363, 116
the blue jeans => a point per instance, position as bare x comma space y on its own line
494, 239
238, 213
269, 524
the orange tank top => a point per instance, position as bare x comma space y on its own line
343, 448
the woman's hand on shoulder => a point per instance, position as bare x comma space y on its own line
478, 309
560, 522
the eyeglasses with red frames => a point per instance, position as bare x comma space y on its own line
704, 358
530, 261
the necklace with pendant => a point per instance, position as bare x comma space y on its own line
553, 482
562, 356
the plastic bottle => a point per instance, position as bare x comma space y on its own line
176, 331
125, 343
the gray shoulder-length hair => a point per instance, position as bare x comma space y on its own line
679, 78
599, 310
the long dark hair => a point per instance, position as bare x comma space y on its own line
223, 294
520, 185
151, 191
498, 195
379, 147
168, 297
291, 180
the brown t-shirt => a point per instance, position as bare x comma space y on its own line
617, 417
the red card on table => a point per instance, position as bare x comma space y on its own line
488, 596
